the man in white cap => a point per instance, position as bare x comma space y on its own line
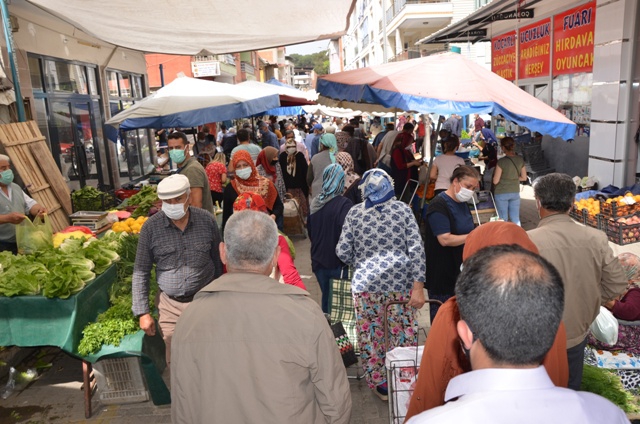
183, 242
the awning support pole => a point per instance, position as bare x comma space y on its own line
8, 35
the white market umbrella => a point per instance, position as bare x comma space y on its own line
189, 102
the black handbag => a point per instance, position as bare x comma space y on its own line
344, 344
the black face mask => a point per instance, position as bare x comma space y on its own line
274, 162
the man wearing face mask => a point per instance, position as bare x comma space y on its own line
14, 205
268, 137
591, 273
183, 243
178, 147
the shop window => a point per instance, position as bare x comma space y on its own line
134, 156
64, 77
36, 74
571, 96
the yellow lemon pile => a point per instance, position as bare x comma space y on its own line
130, 225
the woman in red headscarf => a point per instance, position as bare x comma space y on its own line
286, 271
247, 179
443, 359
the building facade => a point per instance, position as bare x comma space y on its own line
581, 57
387, 30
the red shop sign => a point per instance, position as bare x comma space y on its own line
535, 45
503, 55
573, 40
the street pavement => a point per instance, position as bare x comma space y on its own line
57, 397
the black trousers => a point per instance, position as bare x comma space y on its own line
575, 357
11, 247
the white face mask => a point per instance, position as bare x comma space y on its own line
243, 173
464, 195
291, 150
174, 211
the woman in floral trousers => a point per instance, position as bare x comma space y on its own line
380, 239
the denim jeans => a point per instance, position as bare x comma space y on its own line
324, 277
508, 206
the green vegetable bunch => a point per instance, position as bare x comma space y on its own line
55, 273
118, 321
144, 199
90, 199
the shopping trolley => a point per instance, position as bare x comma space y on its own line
403, 364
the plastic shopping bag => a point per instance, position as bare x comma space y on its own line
34, 236
605, 327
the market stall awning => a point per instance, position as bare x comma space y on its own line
196, 26
444, 83
479, 25
189, 102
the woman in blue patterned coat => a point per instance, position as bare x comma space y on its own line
380, 239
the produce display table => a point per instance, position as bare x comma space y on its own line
30, 321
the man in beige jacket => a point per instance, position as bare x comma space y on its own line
251, 350
591, 273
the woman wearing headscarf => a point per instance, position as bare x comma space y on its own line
285, 271
343, 137
403, 165
294, 171
626, 308
351, 179
449, 222
247, 179
325, 157
443, 358
328, 211
268, 166
381, 241
362, 152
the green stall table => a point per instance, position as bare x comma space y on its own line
30, 321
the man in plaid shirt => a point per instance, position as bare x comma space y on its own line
183, 241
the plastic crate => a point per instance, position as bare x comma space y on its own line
103, 203
576, 214
614, 210
621, 233
120, 381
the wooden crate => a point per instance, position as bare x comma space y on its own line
33, 161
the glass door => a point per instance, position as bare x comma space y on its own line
73, 142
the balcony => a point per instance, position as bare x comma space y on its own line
412, 53
247, 68
412, 13
365, 41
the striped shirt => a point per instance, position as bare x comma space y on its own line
185, 260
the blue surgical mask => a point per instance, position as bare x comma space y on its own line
177, 156
6, 177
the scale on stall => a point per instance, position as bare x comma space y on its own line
94, 220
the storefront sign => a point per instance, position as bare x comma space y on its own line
503, 16
205, 69
535, 46
573, 40
503, 55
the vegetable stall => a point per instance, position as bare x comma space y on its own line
77, 296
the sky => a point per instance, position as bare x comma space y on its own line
308, 48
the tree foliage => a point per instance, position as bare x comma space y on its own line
318, 61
